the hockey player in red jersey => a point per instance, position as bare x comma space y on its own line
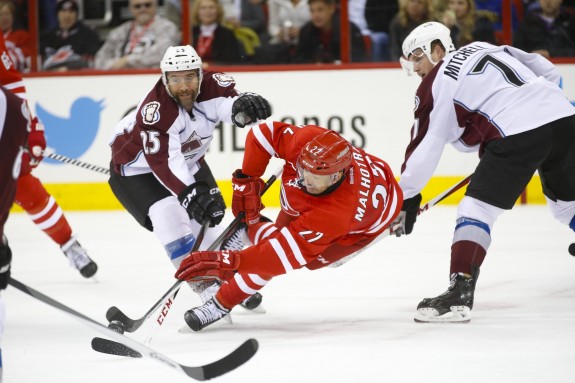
335, 199
159, 173
504, 103
31, 194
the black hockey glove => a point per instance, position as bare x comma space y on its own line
249, 108
5, 261
203, 203
404, 222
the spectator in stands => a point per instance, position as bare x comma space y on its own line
411, 14
72, 45
250, 14
140, 43
285, 19
319, 39
467, 24
378, 15
549, 31
214, 43
356, 14
249, 24
18, 41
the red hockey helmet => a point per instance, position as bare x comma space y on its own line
322, 160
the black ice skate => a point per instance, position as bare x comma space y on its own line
202, 316
453, 306
79, 259
253, 302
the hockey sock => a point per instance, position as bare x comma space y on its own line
238, 289
42, 209
470, 243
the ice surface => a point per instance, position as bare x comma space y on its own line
349, 324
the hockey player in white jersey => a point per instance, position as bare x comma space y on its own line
507, 105
158, 170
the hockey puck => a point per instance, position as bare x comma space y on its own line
117, 326
572, 249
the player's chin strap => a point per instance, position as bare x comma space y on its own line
390, 229
49, 152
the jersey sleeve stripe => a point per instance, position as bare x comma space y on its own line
259, 135
264, 231
281, 255
293, 246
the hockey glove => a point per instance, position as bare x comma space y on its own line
203, 203
249, 108
36, 143
404, 222
209, 264
5, 261
246, 198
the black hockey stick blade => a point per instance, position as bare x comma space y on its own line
228, 363
232, 361
131, 325
107, 346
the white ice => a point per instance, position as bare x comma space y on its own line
349, 324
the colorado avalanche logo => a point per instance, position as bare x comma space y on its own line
150, 113
416, 103
223, 79
191, 146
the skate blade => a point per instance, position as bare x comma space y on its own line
224, 322
458, 314
258, 310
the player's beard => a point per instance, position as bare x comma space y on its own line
186, 99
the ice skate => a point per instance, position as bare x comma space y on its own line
253, 303
205, 315
79, 259
453, 306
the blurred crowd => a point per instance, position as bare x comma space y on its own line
80, 34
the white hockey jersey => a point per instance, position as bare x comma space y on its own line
160, 136
475, 95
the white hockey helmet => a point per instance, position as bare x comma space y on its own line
422, 37
180, 58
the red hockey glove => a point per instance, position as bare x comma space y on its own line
211, 264
246, 198
36, 142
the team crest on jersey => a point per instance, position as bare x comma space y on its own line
223, 79
416, 103
150, 113
191, 146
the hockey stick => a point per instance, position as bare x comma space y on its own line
387, 232
222, 366
131, 325
72, 161
110, 347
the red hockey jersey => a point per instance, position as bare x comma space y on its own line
360, 209
9, 76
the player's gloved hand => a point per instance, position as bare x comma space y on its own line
203, 203
404, 222
209, 264
246, 197
249, 108
5, 261
36, 143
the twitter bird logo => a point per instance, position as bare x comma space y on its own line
72, 136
